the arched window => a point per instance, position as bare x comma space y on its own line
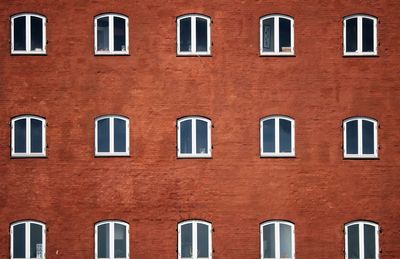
112, 136
28, 136
193, 35
276, 35
362, 240
194, 137
28, 34
360, 35
360, 138
112, 240
28, 240
194, 240
277, 136
277, 240
111, 34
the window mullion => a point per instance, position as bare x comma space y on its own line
361, 240
28, 33
44, 42
209, 35
277, 241
276, 135
194, 238
360, 142
359, 35
28, 240
194, 143
112, 240
28, 135
276, 39
111, 33
112, 135
292, 35
193, 36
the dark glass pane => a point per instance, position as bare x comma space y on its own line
368, 137
119, 135
103, 135
202, 240
201, 137
119, 34
369, 242
201, 34
103, 34
268, 34
351, 35
119, 241
185, 34
186, 240
36, 136
103, 244
285, 234
352, 137
269, 135
368, 34
36, 33
285, 36
19, 241
285, 135
20, 136
353, 242
20, 33
186, 137
269, 241
36, 241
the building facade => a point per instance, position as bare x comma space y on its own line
306, 69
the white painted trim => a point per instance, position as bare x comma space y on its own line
359, 51
194, 238
193, 154
28, 50
277, 153
27, 224
360, 138
111, 133
361, 238
111, 238
193, 51
111, 50
276, 51
28, 152
276, 224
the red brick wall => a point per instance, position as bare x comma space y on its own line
236, 190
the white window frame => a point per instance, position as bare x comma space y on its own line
27, 224
361, 237
277, 238
111, 240
359, 141
111, 50
359, 51
194, 238
277, 125
193, 51
276, 51
28, 34
112, 152
194, 145
28, 152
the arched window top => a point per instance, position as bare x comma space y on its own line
28, 136
195, 239
112, 135
111, 34
277, 136
360, 137
360, 37
194, 137
277, 239
28, 33
188, 221
362, 240
276, 35
193, 35
112, 239
28, 239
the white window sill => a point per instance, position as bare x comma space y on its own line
193, 54
289, 54
360, 156
106, 154
26, 155
194, 156
360, 54
114, 53
283, 155
16, 52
